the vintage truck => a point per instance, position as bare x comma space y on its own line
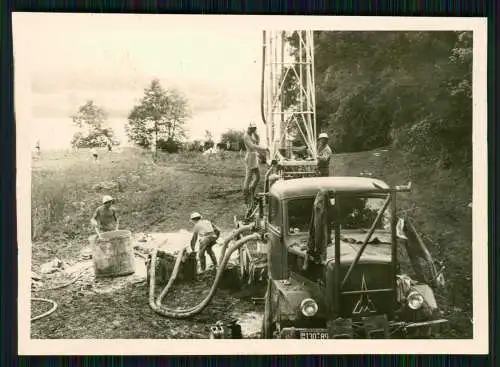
371, 276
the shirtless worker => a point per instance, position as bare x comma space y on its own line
105, 218
252, 174
208, 234
324, 155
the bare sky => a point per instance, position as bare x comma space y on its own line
70, 58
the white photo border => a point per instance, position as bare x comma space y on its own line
480, 342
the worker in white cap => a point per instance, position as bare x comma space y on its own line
324, 155
207, 233
105, 218
252, 173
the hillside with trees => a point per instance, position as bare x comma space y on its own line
412, 90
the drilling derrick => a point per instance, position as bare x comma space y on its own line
288, 101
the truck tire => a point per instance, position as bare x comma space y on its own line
268, 327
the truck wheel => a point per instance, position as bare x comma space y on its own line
268, 327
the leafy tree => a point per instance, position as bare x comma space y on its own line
91, 121
209, 142
195, 146
411, 90
234, 138
161, 114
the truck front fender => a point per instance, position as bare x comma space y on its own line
286, 298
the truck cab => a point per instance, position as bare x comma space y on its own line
359, 284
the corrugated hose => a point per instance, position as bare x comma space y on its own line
157, 306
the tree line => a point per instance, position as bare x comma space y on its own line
156, 122
408, 90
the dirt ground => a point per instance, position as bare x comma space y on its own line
150, 198
157, 198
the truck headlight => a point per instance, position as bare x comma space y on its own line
309, 307
415, 300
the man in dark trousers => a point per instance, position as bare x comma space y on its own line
324, 155
207, 233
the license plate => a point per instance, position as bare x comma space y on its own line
313, 335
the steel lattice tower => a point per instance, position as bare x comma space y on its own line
299, 116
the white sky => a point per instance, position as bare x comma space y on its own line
65, 59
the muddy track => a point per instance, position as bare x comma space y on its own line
110, 315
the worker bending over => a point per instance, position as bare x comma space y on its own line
208, 234
252, 174
105, 218
324, 155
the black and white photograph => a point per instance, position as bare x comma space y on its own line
185, 178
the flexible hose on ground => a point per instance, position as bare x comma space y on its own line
232, 236
178, 261
186, 313
54, 307
61, 285
54, 303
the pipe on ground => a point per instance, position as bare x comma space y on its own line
45, 314
232, 236
189, 312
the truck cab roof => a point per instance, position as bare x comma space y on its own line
309, 186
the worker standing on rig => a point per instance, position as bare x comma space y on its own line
252, 174
208, 234
324, 155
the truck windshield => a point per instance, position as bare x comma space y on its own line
355, 213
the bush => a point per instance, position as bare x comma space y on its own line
169, 145
235, 139
408, 90
95, 139
208, 144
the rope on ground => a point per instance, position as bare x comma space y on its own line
62, 285
45, 314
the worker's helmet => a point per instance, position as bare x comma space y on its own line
106, 199
195, 215
323, 136
252, 125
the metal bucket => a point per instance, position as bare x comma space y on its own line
113, 254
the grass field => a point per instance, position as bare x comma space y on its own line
67, 187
